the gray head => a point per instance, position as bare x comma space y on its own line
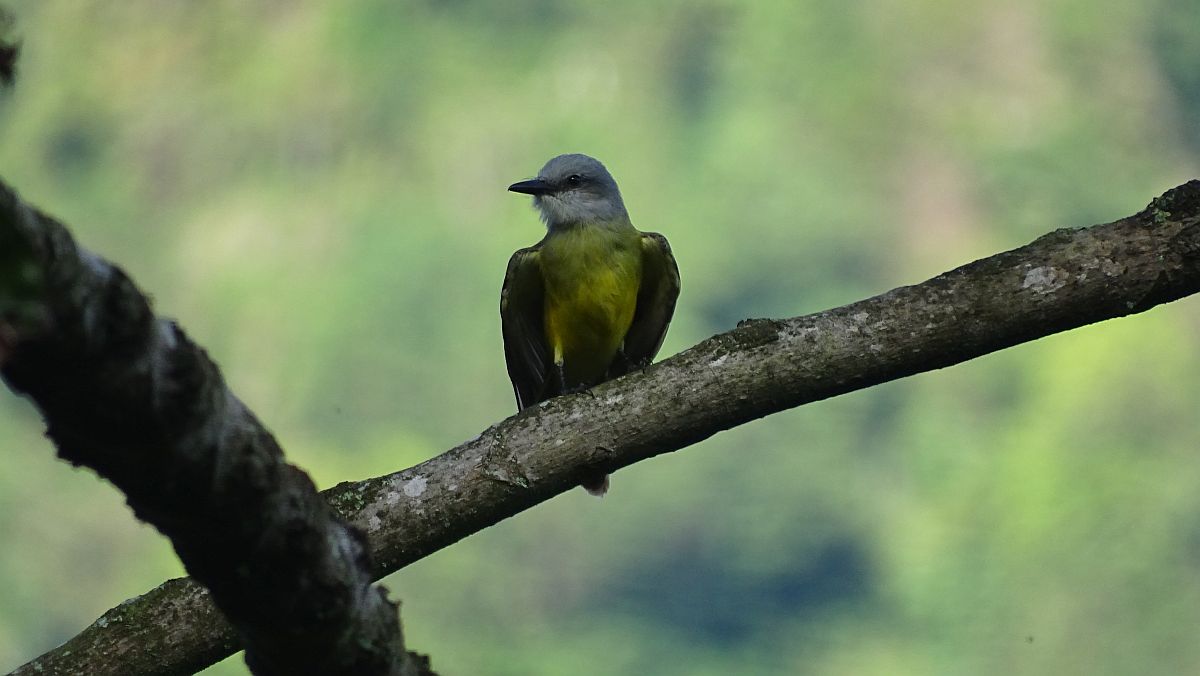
574, 189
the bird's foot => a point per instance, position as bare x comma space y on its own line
580, 389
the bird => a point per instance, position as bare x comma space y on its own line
592, 300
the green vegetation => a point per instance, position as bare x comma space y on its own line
317, 192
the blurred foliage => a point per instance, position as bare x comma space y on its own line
316, 191
9, 50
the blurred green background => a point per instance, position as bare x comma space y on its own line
316, 191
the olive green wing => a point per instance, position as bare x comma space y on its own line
655, 302
522, 301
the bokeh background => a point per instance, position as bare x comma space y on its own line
316, 191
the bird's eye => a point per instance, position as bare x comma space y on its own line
574, 179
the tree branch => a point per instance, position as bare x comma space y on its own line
129, 395
1063, 280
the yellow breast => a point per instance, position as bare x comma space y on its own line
592, 278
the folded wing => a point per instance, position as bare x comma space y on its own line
655, 303
522, 301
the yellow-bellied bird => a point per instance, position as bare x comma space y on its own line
592, 300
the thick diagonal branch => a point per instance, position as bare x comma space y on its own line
129, 395
1066, 279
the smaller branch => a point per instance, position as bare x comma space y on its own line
129, 395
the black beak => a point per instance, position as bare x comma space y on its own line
534, 186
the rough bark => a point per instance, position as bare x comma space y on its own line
1063, 280
129, 395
